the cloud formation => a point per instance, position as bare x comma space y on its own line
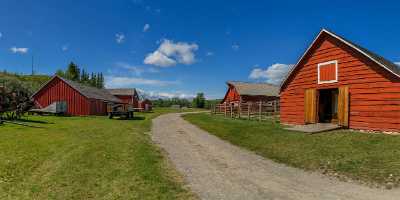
122, 81
120, 38
169, 54
166, 95
1, 35
19, 50
146, 27
65, 47
274, 74
235, 47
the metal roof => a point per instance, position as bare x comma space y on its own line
122, 91
87, 91
255, 89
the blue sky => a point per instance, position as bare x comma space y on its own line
178, 48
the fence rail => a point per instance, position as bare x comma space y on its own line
250, 110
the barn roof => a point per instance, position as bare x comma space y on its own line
255, 89
87, 91
381, 61
122, 91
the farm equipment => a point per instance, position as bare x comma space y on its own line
121, 110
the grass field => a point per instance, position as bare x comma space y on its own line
369, 158
85, 158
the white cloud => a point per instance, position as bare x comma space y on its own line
209, 53
65, 47
397, 63
19, 50
274, 74
119, 38
146, 27
1, 35
137, 70
235, 47
122, 81
170, 53
166, 95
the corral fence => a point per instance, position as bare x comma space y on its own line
249, 110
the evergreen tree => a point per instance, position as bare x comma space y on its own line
199, 101
73, 72
60, 72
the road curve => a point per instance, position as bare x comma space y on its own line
216, 169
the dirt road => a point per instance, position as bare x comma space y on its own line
215, 169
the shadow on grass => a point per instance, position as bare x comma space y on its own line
34, 121
134, 118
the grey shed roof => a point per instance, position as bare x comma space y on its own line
122, 91
87, 91
255, 89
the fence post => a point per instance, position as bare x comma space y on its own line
240, 109
248, 110
260, 109
231, 110
225, 108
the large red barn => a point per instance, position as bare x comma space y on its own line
80, 99
337, 81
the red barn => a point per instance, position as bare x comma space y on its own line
250, 92
146, 105
81, 99
126, 95
337, 81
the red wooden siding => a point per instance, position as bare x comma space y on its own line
374, 92
129, 100
77, 104
58, 90
231, 95
327, 72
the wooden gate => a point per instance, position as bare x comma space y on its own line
343, 106
310, 106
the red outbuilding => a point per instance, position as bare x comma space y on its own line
146, 105
250, 92
126, 95
80, 99
337, 81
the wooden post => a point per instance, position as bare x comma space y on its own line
230, 108
248, 110
225, 108
240, 108
259, 110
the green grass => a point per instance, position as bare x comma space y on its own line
85, 158
369, 158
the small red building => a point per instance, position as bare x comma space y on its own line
81, 100
250, 92
337, 81
126, 95
146, 105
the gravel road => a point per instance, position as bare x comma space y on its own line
215, 169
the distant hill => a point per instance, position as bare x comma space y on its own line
30, 82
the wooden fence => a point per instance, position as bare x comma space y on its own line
249, 110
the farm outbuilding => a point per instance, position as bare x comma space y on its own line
81, 99
250, 92
146, 105
126, 95
337, 81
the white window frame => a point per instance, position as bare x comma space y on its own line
328, 63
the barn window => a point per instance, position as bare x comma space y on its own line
328, 72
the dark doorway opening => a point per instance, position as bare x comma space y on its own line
328, 105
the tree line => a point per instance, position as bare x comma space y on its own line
198, 102
74, 73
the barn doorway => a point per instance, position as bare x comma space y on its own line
328, 106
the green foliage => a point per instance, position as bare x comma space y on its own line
199, 101
170, 102
212, 102
85, 158
73, 72
28, 83
373, 158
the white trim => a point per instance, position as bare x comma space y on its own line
342, 40
336, 69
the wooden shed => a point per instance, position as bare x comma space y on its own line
81, 100
250, 92
337, 81
146, 105
126, 95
